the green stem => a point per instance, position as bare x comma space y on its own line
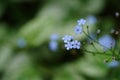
94, 40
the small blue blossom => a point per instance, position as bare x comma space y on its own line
53, 45
113, 63
68, 46
91, 20
78, 29
76, 44
54, 37
21, 43
107, 41
67, 38
81, 22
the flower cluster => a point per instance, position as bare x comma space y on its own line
69, 41
106, 42
79, 27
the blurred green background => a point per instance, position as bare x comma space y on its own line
25, 30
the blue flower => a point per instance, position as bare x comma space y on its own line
78, 29
107, 41
53, 45
76, 44
68, 46
113, 63
73, 45
67, 38
81, 22
21, 43
91, 20
54, 37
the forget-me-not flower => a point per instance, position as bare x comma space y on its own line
67, 38
81, 22
76, 44
73, 45
68, 46
78, 29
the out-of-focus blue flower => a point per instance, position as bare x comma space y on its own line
21, 43
91, 20
53, 45
67, 38
81, 22
107, 41
113, 63
76, 44
78, 29
54, 37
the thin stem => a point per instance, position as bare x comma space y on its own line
88, 30
94, 47
94, 39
